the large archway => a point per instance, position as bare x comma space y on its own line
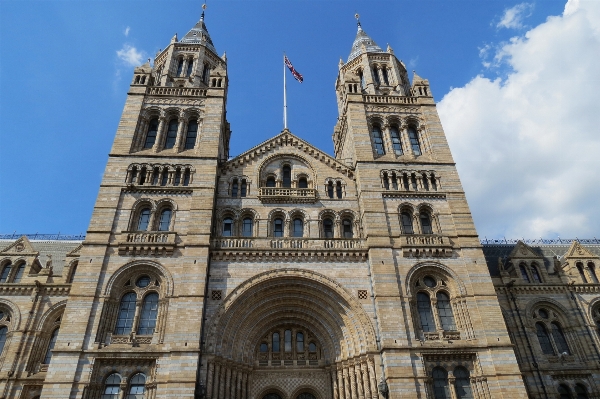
287, 330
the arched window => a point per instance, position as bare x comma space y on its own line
413, 182
524, 273
126, 314
330, 189
234, 188
445, 311
425, 181
378, 140
148, 314
302, 182
414, 141
287, 176
133, 176
312, 348
559, 338
112, 387
361, 76
165, 220
143, 175
564, 391
270, 181
276, 342
192, 133
278, 227
592, 269
287, 341
151, 133
171, 133
347, 227
264, 347
544, 339
51, 344
581, 391
177, 178
327, 228
3, 332
338, 190
244, 189
426, 223
394, 182
190, 67
462, 383
396, 143
144, 219
299, 342
407, 224
179, 66
247, 227
298, 227
536, 274
385, 76
386, 182
433, 182
376, 76
440, 383
425, 313
155, 176
137, 384
186, 177
206, 73
5, 273
227, 227
405, 182
19, 273
581, 272
72, 274
165, 177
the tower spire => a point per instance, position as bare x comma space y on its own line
199, 34
362, 43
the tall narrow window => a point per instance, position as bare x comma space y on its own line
270, 181
5, 273
414, 141
137, 387
227, 227
376, 76
386, 182
244, 188
312, 348
186, 177
407, 226
112, 387
171, 133
440, 383
535, 274
347, 226
190, 67
581, 272
143, 176
165, 220
394, 181
328, 228
151, 133
247, 227
302, 182
51, 344
445, 311
179, 67
426, 223
592, 269
192, 133
287, 341
278, 227
581, 392
144, 219
276, 342
298, 228
413, 182
148, 314
564, 392
287, 176
524, 274
544, 339
361, 76
126, 314
396, 143
433, 182
338, 190
425, 313
330, 189
133, 175
155, 176
72, 275
234, 188
405, 182
385, 76
206, 73
559, 338
177, 178
378, 140
19, 273
462, 383
3, 332
425, 181
165, 177
264, 347
299, 342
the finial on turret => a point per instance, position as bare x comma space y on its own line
357, 19
203, 8
389, 49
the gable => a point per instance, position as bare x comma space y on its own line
523, 251
22, 246
578, 251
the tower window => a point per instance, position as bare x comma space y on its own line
144, 219
426, 223
425, 182
165, 220
165, 177
386, 183
192, 133
227, 227
155, 176
244, 188
190, 66
287, 176
581, 272
148, 314
396, 144
302, 182
414, 141
592, 270
179, 66
186, 177
177, 179
347, 225
536, 274
234, 188
376, 76
206, 73
278, 227
445, 311
247, 227
407, 225
385, 76
171, 134
330, 189
126, 314
524, 273
378, 140
51, 345
425, 312
328, 228
151, 134
544, 339
361, 76
270, 181
559, 338
298, 228
19, 273
338, 189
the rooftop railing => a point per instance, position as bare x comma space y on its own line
44, 236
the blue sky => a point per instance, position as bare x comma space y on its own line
66, 67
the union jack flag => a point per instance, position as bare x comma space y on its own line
297, 76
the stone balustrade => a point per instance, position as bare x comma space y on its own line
390, 99
426, 245
285, 243
284, 194
147, 242
175, 91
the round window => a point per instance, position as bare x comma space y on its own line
143, 281
429, 281
543, 314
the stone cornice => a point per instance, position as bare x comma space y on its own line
413, 194
28, 289
157, 190
291, 255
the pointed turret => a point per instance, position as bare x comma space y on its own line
363, 43
199, 35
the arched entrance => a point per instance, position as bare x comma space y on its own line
293, 331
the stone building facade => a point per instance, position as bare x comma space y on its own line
285, 272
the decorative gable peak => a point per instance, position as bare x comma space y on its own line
577, 251
523, 251
20, 247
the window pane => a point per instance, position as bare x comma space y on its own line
165, 220
171, 133
564, 391
234, 189
19, 274
394, 181
581, 273
287, 177
440, 383
536, 275
524, 273
287, 341
5, 273
51, 344
544, 339
330, 189
425, 313
3, 332
302, 183
179, 67
300, 342
559, 339
227, 227
386, 182
137, 387
445, 312
148, 315
338, 190
276, 342
414, 141
298, 228
347, 223
328, 228
190, 67
378, 140
186, 177
270, 182
396, 143
426, 223
264, 348
126, 314
111, 387
462, 383
151, 133
385, 76
375, 76
592, 270
192, 133
312, 347
144, 219
177, 177
407, 225
278, 228
244, 188
247, 227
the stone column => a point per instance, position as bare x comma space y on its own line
352, 376
372, 378
340, 379
228, 384
216, 382
387, 141
452, 387
346, 384
209, 380
359, 387
180, 130
365, 380
222, 373
238, 385
334, 384
159, 133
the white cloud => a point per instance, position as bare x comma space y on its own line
126, 32
130, 55
527, 146
513, 17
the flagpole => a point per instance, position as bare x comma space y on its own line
284, 96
